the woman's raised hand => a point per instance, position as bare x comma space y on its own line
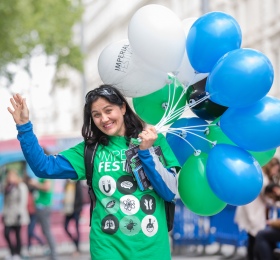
20, 112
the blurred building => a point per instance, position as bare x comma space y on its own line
106, 21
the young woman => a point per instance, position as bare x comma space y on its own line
126, 222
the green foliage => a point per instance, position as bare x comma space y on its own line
26, 24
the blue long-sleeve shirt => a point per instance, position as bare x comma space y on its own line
163, 180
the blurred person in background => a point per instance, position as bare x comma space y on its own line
73, 205
43, 202
15, 213
268, 238
272, 170
252, 217
32, 215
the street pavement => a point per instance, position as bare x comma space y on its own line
211, 252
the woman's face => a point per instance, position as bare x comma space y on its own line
108, 117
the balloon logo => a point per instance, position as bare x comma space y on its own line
119, 66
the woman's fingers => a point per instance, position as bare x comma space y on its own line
10, 110
19, 109
14, 104
18, 98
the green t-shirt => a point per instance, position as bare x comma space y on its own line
126, 223
43, 198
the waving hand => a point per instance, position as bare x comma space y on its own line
20, 110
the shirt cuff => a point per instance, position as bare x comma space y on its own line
25, 127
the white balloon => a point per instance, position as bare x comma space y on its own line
186, 73
156, 35
119, 66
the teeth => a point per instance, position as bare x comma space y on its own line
108, 125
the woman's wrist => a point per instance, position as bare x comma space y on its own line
24, 127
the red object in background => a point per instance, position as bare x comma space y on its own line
13, 144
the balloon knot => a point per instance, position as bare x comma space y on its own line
183, 134
164, 105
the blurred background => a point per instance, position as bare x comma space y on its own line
49, 53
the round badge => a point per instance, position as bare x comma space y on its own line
107, 185
149, 225
126, 184
110, 224
148, 204
129, 204
130, 225
111, 205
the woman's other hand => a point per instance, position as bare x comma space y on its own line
148, 136
20, 112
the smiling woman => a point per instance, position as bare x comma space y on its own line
108, 118
125, 212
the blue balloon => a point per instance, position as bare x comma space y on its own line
240, 78
210, 37
181, 148
233, 174
255, 127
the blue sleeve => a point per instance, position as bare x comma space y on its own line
164, 181
43, 166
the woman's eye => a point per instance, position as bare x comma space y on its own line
108, 111
96, 115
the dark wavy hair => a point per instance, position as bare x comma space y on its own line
90, 132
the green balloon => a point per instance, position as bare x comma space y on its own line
263, 157
194, 189
151, 107
215, 133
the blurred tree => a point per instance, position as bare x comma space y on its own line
32, 27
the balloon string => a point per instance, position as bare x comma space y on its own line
203, 138
177, 112
172, 108
168, 102
178, 135
190, 132
191, 127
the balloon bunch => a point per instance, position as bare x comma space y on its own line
167, 66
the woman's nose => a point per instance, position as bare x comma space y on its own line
104, 118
